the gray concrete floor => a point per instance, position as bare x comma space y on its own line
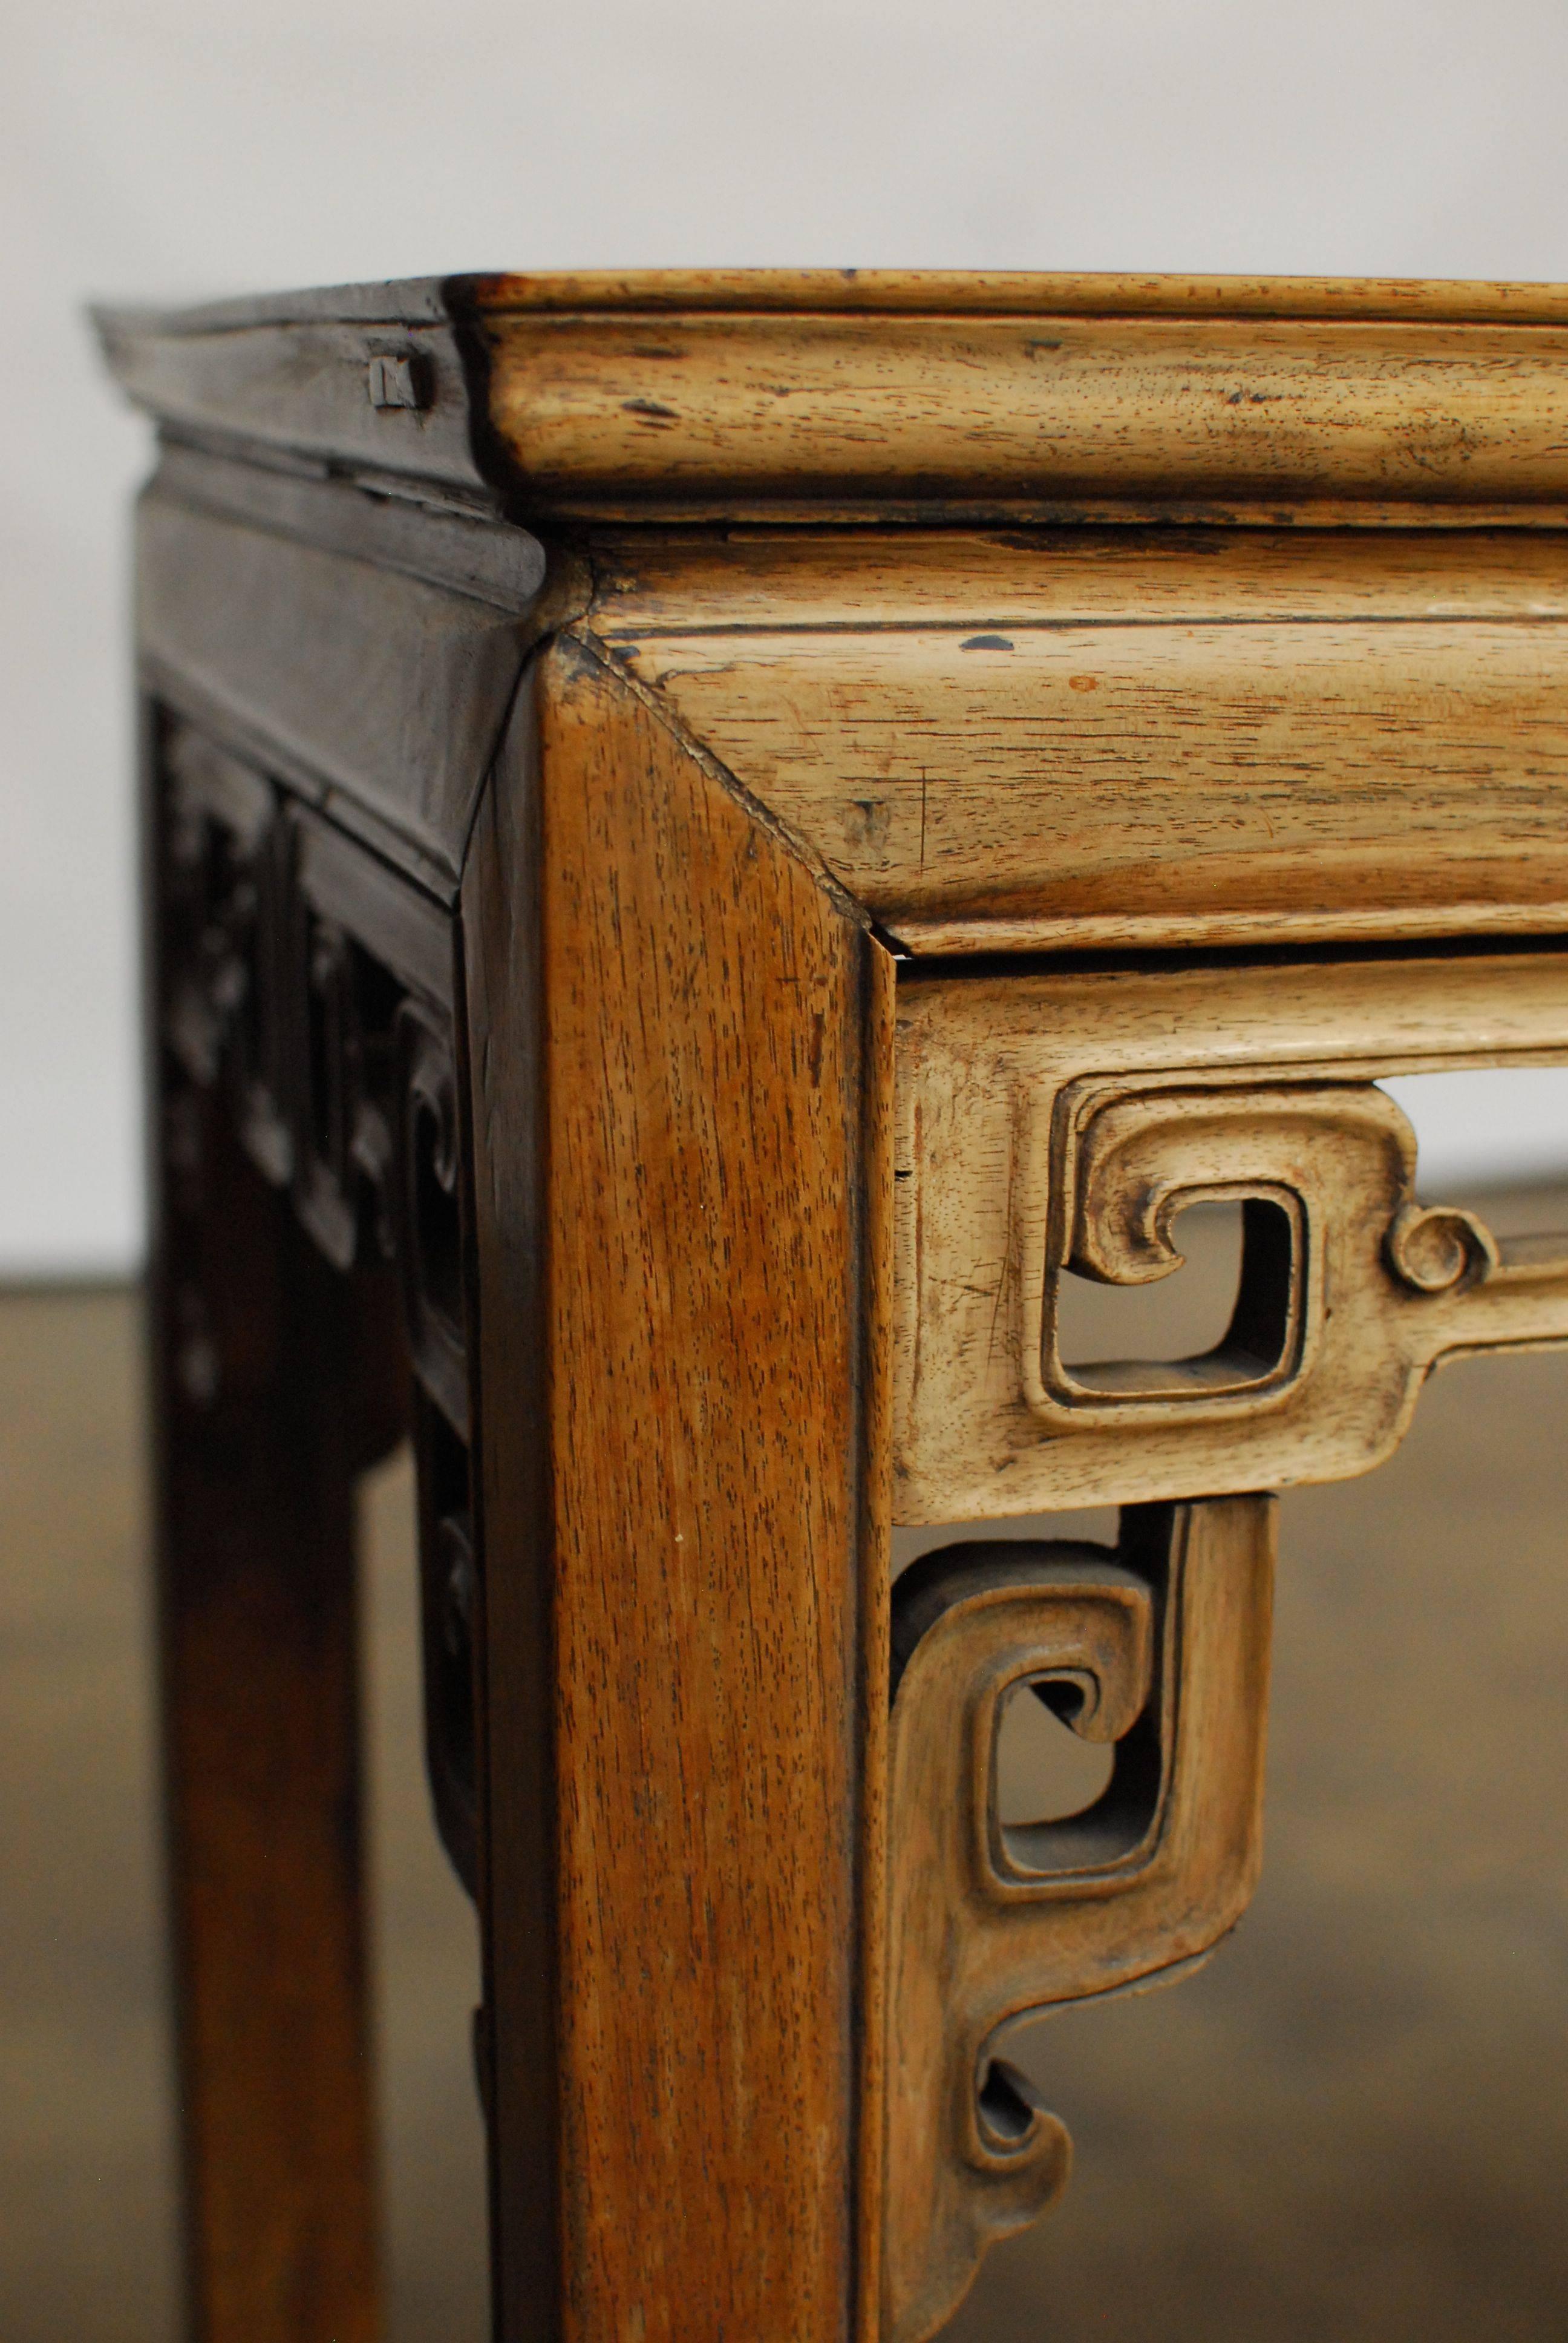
1352, 2124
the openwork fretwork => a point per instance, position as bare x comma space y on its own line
315, 992
1024, 1161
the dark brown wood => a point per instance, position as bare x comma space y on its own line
518, 2036
271, 1393
521, 980
677, 1545
301, 1027
296, 375
721, 393
371, 692
465, 552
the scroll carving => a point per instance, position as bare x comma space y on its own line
315, 989
1159, 1649
225, 886
345, 1088
1352, 1288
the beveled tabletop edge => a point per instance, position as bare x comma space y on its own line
932, 397
430, 300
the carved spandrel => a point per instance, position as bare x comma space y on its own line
226, 1005
1351, 1290
429, 1213
449, 1602
1025, 1164
1161, 1649
339, 1060
311, 990
349, 1097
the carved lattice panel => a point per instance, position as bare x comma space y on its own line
1056, 1125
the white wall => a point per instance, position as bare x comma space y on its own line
158, 148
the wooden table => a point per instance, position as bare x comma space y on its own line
712, 842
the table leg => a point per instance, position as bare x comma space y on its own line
271, 1389
678, 1045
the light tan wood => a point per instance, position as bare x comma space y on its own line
1142, 774
955, 292
685, 582
868, 614
1048, 1123
1161, 1649
716, 1039
1045, 414
906, 393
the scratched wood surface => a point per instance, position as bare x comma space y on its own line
992, 742
752, 757
680, 581
726, 392
726, 413
954, 292
1017, 742
1014, 744
714, 1030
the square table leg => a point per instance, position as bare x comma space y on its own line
680, 1053
272, 1389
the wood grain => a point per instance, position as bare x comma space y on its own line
1055, 1122
1215, 611
714, 1036
678, 581
467, 553
1159, 1649
300, 382
725, 415
956, 293
377, 695
719, 394
430, 300
271, 1390
517, 2038
1144, 775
